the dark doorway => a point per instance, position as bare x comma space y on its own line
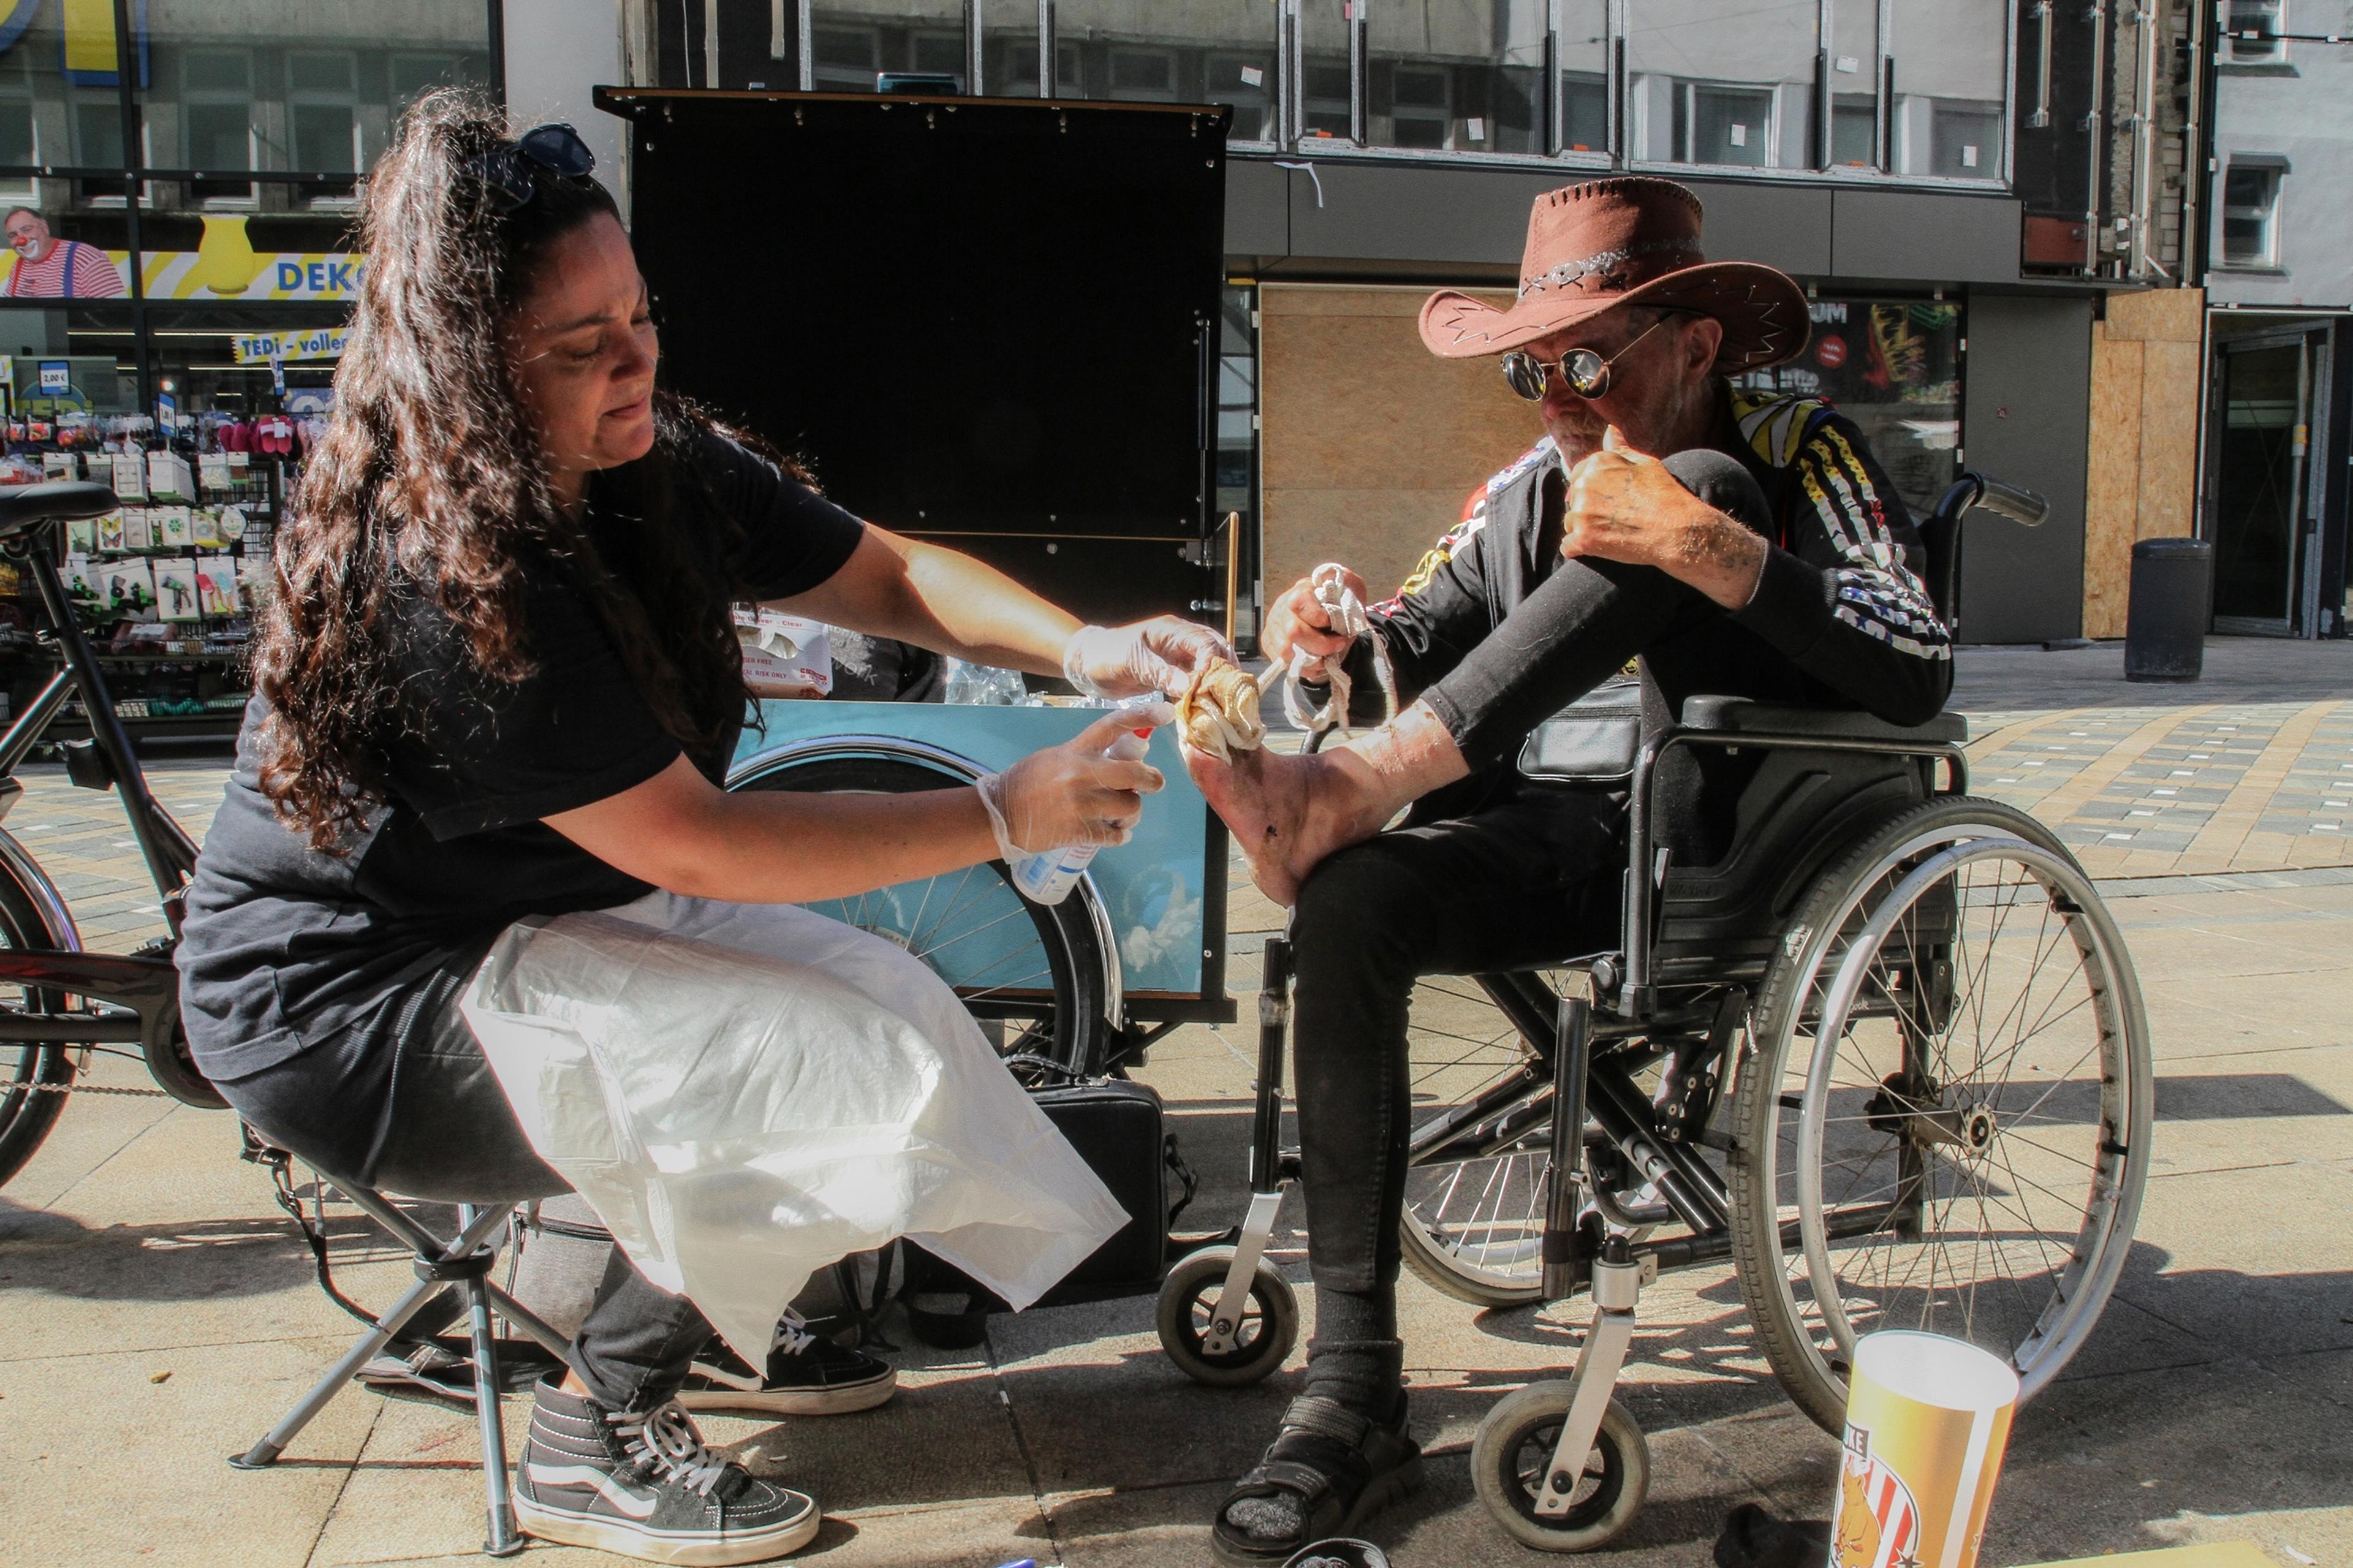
2268, 391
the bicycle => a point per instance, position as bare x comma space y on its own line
68, 1004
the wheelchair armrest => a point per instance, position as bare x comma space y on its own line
1741, 716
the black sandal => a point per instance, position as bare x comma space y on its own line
1339, 1466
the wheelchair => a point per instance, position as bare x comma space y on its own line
1887, 1056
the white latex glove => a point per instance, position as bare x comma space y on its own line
1074, 794
1158, 655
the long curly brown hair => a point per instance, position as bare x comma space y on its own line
430, 480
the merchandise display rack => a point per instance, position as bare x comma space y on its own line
166, 584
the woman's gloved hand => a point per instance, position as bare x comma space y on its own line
1074, 794
1158, 655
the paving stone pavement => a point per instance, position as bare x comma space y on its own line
157, 1315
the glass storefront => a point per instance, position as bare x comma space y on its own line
180, 267
1913, 89
1892, 366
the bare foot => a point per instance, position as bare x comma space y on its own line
1288, 813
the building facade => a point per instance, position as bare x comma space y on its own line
179, 179
1964, 185
2279, 281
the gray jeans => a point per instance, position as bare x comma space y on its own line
426, 1119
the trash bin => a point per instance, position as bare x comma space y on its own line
2165, 619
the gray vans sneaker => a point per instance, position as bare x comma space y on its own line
807, 1375
644, 1485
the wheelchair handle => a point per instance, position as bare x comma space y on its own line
2015, 502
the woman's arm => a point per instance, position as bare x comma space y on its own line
683, 834
686, 835
917, 593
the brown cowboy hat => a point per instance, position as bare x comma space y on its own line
1633, 240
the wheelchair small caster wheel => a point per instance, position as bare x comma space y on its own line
1268, 1326
1511, 1456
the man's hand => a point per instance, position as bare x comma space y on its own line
1623, 505
1158, 655
1298, 620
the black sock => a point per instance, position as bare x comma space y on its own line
1356, 1357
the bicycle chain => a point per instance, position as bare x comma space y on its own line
90, 1089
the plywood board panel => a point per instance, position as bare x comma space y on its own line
2158, 315
1368, 441
2169, 440
2112, 484
1380, 532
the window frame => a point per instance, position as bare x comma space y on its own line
2274, 169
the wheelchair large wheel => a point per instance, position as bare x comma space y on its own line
1472, 1227
1944, 1114
1034, 970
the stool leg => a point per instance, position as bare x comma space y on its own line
503, 1540
266, 1451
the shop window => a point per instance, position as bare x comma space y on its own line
2255, 27
1144, 75
852, 45
1584, 53
1949, 85
1892, 366
1709, 87
322, 112
1246, 82
1008, 40
2250, 197
409, 78
1854, 74
1463, 77
1720, 124
17, 141
1966, 140
1854, 132
1417, 115
1327, 30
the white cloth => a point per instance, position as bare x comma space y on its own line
1346, 613
746, 1093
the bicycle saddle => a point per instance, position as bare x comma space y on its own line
28, 506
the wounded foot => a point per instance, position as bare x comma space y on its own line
1286, 812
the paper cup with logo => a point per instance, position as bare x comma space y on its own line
1927, 1418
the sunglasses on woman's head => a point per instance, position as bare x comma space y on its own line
1582, 371
507, 172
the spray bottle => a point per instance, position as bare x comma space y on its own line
1047, 876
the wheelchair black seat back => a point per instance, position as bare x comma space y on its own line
1720, 922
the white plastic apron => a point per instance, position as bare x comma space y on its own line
746, 1093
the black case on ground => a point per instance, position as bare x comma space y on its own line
1116, 1127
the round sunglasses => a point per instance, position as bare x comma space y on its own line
1582, 371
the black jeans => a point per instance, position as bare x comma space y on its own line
429, 1120
1507, 885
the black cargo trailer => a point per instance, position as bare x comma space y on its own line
986, 322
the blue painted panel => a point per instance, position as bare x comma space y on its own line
1152, 887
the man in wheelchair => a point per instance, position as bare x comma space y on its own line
1730, 541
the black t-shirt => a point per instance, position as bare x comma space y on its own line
286, 947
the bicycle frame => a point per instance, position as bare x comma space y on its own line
124, 998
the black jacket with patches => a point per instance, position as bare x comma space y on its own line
1841, 617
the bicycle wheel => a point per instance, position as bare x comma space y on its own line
1473, 1225
1945, 1114
27, 1108
1035, 971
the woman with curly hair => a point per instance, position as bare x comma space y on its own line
497, 681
